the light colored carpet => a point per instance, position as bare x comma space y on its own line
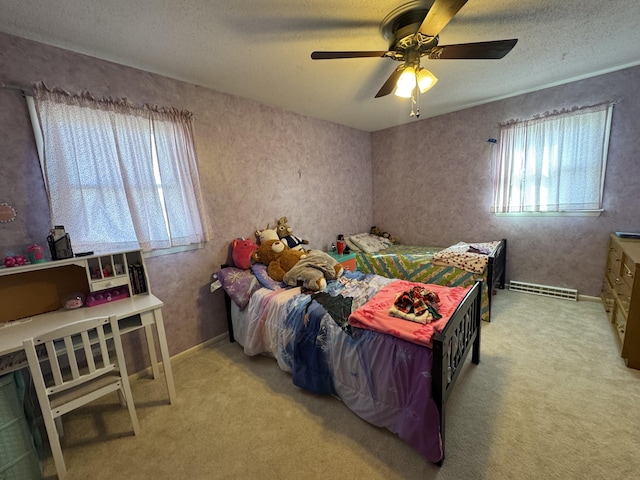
551, 399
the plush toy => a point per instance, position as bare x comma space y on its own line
393, 239
294, 267
73, 300
242, 250
278, 258
285, 233
266, 234
376, 231
313, 270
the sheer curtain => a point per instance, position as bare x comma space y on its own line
553, 164
120, 176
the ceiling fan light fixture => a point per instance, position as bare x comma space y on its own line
404, 92
426, 80
406, 83
413, 31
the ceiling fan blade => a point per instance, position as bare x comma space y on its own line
390, 84
440, 14
480, 50
331, 55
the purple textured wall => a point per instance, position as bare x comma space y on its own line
256, 164
432, 184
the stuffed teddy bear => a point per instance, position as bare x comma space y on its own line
392, 239
375, 231
285, 233
294, 267
278, 258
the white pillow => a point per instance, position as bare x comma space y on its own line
352, 246
368, 242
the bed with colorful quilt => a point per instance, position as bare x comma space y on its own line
461, 264
394, 372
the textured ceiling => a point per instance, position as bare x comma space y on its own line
261, 49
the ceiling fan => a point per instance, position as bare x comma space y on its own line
412, 30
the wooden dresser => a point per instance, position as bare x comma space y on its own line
621, 296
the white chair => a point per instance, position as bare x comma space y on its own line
72, 366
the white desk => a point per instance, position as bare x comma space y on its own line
133, 313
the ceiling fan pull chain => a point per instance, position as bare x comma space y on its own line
415, 111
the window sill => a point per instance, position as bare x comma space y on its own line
583, 213
169, 251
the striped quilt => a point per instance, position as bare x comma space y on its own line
415, 264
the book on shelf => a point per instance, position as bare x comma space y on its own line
137, 278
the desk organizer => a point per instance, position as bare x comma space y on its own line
107, 295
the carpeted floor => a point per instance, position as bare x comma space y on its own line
551, 399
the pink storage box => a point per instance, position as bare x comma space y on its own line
105, 296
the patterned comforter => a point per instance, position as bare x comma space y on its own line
383, 379
416, 264
472, 257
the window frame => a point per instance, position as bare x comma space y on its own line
39, 141
499, 181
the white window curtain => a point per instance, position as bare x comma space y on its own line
120, 176
553, 164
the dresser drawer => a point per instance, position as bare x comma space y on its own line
623, 294
347, 260
613, 278
619, 322
614, 263
628, 271
349, 264
615, 256
608, 301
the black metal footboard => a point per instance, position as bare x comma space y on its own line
227, 307
451, 347
498, 263
496, 270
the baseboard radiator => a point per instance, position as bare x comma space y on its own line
544, 290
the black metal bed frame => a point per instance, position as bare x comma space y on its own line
496, 270
451, 348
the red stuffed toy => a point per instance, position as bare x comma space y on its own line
241, 252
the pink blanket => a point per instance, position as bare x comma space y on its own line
374, 315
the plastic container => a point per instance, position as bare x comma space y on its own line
36, 254
18, 458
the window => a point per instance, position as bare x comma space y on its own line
119, 176
553, 164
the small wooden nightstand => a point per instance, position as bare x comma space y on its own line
348, 260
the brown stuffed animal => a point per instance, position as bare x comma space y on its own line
309, 269
285, 233
278, 257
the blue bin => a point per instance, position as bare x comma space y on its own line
18, 457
